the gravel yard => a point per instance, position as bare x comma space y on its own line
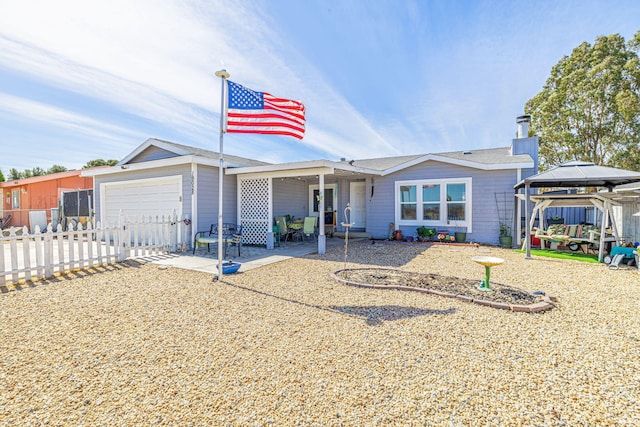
139, 344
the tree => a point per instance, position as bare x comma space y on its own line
37, 171
56, 169
1, 176
99, 162
589, 108
15, 174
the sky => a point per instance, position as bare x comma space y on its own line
83, 80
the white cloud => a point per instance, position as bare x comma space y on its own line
35, 113
437, 77
157, 59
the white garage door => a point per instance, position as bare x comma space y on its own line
155, 196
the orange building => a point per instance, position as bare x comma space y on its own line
30, 201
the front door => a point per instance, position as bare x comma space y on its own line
358, 200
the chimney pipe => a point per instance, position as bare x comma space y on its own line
523, 125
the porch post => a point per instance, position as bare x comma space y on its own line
322, 242
527, 192
270, 236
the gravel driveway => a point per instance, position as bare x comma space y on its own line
141, 344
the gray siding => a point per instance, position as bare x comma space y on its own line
290, 197
485, 229
344, 197
207, 193
184, 170
152, 153
527, 146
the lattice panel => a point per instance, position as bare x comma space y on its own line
254, 210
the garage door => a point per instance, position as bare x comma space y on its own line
155, 196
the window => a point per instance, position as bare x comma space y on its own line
431, 202
455, 202
15, 199
408, 206
330, 198
437, 202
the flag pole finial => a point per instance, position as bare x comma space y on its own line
222, 74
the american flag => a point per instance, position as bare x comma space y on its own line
259, 112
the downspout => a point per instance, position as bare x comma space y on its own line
194, 201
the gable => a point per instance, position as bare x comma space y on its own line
152, 152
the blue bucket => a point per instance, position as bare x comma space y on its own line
229, 267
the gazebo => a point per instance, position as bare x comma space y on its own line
576, 174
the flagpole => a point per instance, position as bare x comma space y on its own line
223, 113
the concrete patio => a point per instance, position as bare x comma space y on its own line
250, 256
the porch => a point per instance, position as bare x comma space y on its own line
299, 190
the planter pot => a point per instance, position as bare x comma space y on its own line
398, 235
506, 241
461, 236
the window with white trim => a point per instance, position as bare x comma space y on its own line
435, 202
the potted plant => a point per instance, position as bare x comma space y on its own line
506, 239
461, 236
425, 233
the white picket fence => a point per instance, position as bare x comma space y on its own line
44, 253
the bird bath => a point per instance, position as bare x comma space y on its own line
488, 262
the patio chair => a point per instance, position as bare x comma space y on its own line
234, 233
207, 237
309, 227
231, 235
284, 231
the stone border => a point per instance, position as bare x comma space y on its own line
547, 302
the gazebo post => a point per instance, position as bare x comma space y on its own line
527, 201
605, 221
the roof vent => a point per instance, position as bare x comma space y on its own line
466, 152
343, 159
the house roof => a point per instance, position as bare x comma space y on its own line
484, 159
183, 150
489, 158
174, 154
41, 178
580, 174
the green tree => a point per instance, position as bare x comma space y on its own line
589, 108
56, 169
99, 162
15, 174
1, 176
38, 171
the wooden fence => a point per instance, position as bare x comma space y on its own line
47, 252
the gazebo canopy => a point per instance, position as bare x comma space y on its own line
580, 174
